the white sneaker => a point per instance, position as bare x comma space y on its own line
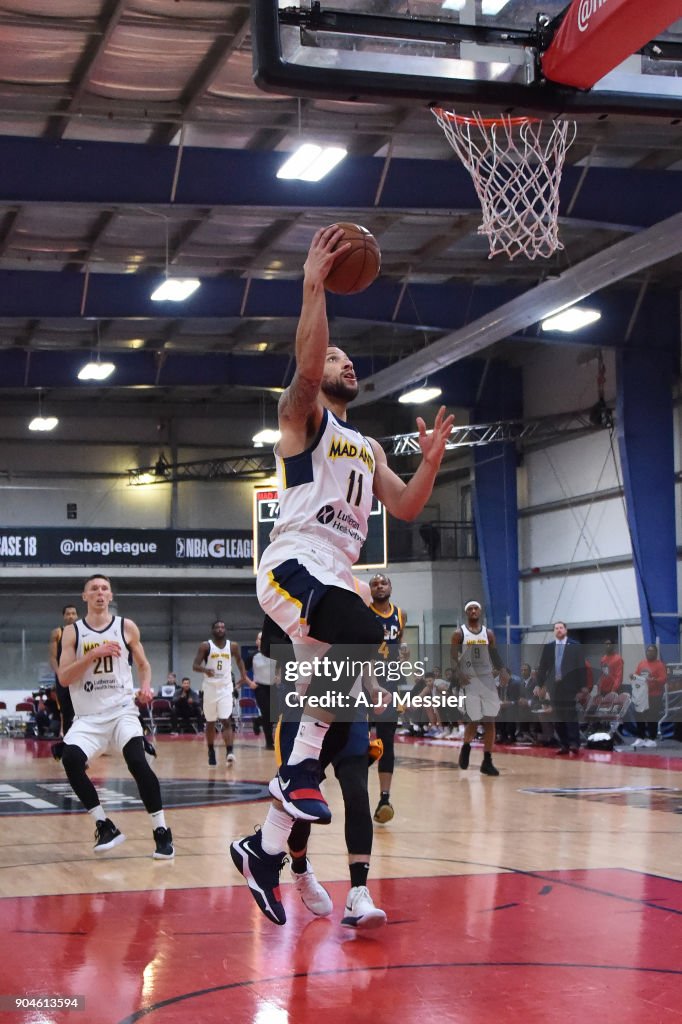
360, 911
313, 895
638, 743
230, 759
649, 743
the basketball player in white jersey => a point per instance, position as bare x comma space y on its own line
214, 661
96, 660
327, 473
477, 664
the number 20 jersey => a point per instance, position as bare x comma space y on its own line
325, 492
106, 686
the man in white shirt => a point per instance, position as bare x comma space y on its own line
263, 671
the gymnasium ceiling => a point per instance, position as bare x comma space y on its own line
126, 125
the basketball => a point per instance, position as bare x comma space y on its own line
358, 266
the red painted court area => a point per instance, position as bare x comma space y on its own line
562, 946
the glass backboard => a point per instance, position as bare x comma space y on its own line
479, 54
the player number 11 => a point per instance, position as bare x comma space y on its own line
352, 487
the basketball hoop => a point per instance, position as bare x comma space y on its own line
516, 174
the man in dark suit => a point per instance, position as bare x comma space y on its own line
562, 671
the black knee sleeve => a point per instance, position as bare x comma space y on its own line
352, 775
299, 835
386, 733
74, 762
147, 782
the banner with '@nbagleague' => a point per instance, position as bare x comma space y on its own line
232, 549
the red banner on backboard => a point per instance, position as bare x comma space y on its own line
597, 35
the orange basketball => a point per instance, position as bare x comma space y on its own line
356, 268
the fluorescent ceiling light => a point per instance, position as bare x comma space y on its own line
310, 162
96, 371
571, 319
175, 289
453, 5
492, 6
266, 436
419, 395
43, 423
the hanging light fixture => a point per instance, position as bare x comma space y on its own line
417, 396
96, 369
40, 422
173, 289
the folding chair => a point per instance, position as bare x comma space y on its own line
248, 710
161, 714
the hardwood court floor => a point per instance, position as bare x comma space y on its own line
552, 892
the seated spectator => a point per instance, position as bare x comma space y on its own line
434, 685
656, 674
611, 665
169, 688
509, 694
528, 725
186, 715
542, 710
46, 719
415, 718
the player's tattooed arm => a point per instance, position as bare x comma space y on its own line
299, 405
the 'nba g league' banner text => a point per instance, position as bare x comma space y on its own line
102, 547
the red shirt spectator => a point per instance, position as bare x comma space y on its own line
655, 670
611, 670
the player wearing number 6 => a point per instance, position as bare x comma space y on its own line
327, 473
96, 660
214, 661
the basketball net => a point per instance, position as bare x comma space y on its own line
516, 174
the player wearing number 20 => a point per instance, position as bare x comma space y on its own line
98, 652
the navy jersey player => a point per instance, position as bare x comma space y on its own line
327, 473
392, 620
69, 615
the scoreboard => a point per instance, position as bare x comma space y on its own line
266, 511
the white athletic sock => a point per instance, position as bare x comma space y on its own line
275, 831
309, 739
158, 820
97, 813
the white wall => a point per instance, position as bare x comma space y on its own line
557, 378
434, 596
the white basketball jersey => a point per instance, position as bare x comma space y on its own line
475, 660
220, 660
107, 683
325, 492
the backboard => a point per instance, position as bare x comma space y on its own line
266, 510
485, 55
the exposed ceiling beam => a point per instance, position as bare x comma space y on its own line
108, 22
7, 234
613, 264
204, 77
